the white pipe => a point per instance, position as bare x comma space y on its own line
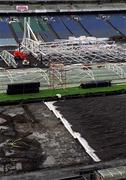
28, 26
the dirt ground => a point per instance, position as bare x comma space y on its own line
32, 138
101, 121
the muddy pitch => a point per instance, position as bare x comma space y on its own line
101, 121
32, 138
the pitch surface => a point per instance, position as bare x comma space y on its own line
101, 121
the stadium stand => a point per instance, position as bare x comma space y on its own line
41, 29
73, 26
6, 36
119, 22
36, 27
97, 27
5, 30
17, 30
60, 29
49, 28
46, 32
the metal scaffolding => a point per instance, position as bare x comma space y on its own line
8, 59
76, 55
57, 75
117, 69
86, 50
23, 75
75, 51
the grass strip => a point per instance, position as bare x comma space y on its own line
66, 91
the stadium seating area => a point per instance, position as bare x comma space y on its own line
6, 35
119, 22
49, 28
97, 27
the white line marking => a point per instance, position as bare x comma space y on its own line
76, 135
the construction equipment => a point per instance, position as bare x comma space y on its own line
20, 55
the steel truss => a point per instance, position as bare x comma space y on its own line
117, 69
23, 75
57, 75
76, 51
8, 58
80, 70
82, 50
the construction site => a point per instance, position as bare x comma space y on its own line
57, 46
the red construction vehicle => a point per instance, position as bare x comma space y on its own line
19, 55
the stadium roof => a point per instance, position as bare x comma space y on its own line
54, 6
86, 1
60, 7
